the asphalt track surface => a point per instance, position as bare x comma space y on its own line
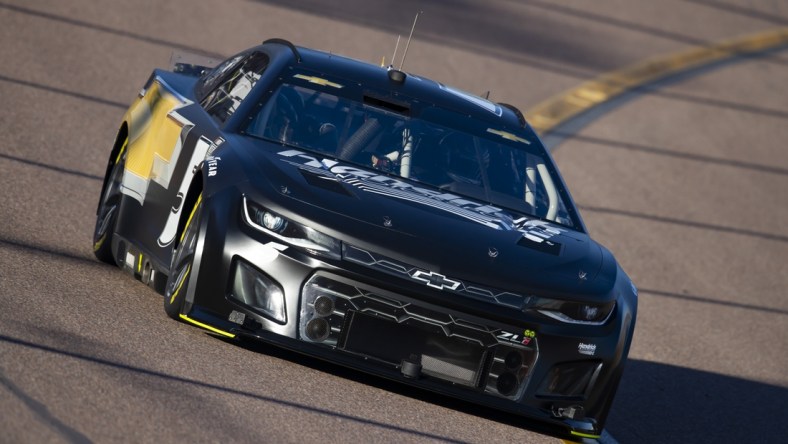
685, 181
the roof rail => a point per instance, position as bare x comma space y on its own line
516, 112
288, 44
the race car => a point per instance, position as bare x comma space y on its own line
373, 218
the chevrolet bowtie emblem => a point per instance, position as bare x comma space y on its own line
435, 280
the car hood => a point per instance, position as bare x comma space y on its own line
405, 226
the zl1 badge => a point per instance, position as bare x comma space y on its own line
524, 339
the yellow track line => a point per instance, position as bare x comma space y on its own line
556, 110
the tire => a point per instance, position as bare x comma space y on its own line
181, 264
107, 212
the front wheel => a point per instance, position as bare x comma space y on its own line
182, 260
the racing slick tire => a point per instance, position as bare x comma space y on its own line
107, 212
182, 260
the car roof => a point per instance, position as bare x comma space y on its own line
376, 79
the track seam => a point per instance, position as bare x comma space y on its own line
557, 110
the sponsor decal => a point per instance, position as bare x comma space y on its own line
213, 165
586, 349
537, 232
537, 235
528, 336
508, 136
318, 81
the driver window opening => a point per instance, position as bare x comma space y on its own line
232, 89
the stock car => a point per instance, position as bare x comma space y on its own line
373, 218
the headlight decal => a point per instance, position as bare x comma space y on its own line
289, 232
571, 312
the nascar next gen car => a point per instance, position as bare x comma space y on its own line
373, 218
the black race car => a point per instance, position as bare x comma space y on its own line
373, 218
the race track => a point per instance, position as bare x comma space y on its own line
684, 180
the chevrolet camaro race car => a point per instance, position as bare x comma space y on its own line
372, 218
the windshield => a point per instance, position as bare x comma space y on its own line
439, 148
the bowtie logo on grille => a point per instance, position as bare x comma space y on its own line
435, 280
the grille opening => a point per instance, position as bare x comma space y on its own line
451, 359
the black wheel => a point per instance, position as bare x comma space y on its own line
181, 265
107, 212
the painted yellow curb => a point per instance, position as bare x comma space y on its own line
556, 110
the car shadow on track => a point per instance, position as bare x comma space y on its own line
655, 402
392, 386
160, 381
665, 403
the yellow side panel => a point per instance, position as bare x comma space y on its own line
151, 132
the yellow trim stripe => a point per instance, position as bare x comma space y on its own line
580, 434
185, 278
508, 136
189, 220
139, 264
556, 110
207, 327
122, 149
318, 81
100, 242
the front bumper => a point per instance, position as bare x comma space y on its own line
342, 312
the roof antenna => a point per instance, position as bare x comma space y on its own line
407, 45
394, 57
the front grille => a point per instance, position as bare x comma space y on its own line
432, 279
390, 329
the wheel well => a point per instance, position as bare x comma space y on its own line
195, 188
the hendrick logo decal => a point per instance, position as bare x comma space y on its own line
586, 349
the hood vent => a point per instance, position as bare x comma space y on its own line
325, 182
